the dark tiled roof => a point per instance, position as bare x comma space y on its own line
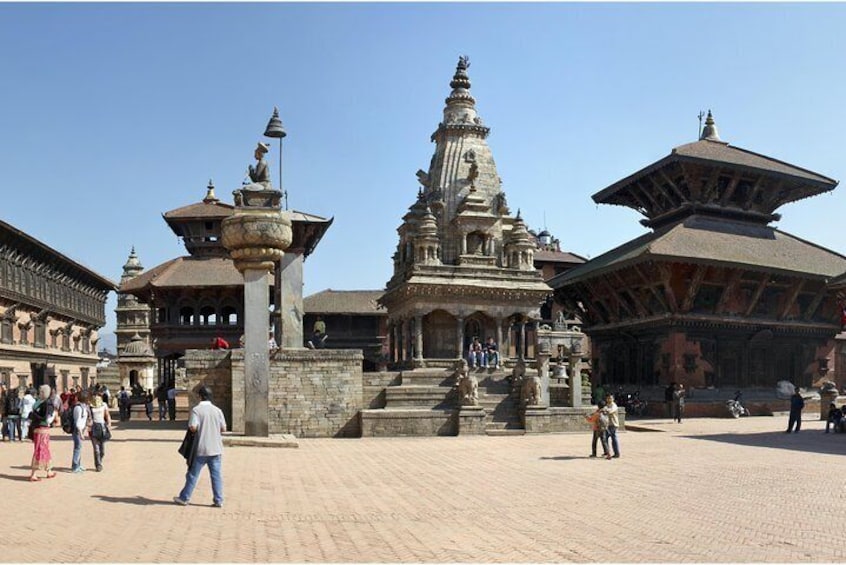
188, 272
711, 241
725, 153
721, 153
61, 261
215, 209
543, 256
344, 302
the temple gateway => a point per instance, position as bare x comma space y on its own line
714, 295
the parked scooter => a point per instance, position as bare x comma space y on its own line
736, 407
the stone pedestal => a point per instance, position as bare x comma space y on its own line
536, 419
256, 237
542, 357
471, 420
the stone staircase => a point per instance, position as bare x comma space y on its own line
425, 402
502, 415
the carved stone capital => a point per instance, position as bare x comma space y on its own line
256, 238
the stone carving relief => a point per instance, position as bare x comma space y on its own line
470, 156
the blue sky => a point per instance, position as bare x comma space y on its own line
112, 114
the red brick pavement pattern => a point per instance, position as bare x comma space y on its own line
707, 490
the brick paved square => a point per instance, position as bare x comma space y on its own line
707, 490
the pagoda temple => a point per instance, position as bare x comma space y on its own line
464, 266
714, 295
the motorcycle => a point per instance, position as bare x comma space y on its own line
735, 406
630, 401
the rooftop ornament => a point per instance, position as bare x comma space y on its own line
275, 129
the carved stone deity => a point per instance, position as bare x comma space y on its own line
468, 385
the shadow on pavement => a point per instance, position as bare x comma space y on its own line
137, 500
813, 441
564, 458
24, 478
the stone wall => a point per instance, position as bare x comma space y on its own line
313, 393
213, 368
393, 423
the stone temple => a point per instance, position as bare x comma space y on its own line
464, 266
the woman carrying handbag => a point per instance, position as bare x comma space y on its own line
100, 430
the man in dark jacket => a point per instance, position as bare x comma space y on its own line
797, 403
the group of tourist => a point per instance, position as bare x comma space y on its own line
604, 421
836, 419
31, 413
483, 355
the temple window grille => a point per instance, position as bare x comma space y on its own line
186, 316
208, 316
230, 316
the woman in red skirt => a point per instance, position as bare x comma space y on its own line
43, 414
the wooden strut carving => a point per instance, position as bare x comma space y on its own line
795, 288
651, 287
757, 296
732, 186
666, 273
682, 196
729, 290
815, 303
693, 289
617, 298
642, 310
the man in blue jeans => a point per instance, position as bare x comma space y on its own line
80, 424
208, 423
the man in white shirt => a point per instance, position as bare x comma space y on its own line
208, 423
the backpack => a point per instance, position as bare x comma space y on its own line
603, 421
67, 419
14, 404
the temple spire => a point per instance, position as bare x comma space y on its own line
460, 105
709, 132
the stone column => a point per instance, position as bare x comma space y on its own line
418, 340
499, 343
256, 236
460, 333
290, 301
